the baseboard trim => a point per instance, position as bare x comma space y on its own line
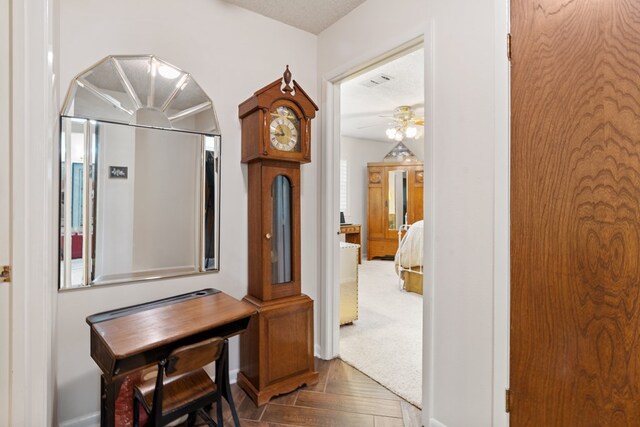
90, 420
233, 376
435, 423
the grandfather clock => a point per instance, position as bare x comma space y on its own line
276, 351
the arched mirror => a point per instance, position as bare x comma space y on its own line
139, 175
281, 256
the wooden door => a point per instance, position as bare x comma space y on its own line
575, 213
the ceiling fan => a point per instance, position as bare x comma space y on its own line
405, 123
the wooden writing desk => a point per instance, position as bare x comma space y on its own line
126, 340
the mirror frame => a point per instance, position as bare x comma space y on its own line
210, 137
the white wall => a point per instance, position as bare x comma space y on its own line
461, 141
359, 152
226, 50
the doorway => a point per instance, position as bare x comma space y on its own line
380, 198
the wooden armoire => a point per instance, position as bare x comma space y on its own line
395, 198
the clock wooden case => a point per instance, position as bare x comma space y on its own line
276, 351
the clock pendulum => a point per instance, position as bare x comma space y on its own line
276, 351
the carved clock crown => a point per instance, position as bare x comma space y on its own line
255, 114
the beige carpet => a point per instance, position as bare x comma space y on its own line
386, 341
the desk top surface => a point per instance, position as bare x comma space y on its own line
144, 330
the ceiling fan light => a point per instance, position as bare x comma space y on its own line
391, 133
398, 136
411, 132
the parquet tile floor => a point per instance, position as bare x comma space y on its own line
344, 397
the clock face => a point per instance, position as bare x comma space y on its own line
284, 129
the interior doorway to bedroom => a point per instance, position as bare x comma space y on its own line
381, 211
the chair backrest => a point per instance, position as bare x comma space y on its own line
194, 356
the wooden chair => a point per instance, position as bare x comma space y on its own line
182, 386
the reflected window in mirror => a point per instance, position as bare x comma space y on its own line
139, 175
344, 187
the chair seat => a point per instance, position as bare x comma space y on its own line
178, 391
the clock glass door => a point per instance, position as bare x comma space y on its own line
281, 225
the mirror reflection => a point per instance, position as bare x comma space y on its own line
137, 203
139, 175
281, 230
397, 199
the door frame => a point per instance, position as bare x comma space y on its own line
5, 218
329, 295
33, 110
501, 214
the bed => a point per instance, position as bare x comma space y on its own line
409, 257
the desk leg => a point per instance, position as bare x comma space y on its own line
222, 381
116, 400
107, 402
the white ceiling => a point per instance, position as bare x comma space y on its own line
309, 15
362, 106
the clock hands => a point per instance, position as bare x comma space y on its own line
284, 116
278, 130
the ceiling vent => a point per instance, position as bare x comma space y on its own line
377, 80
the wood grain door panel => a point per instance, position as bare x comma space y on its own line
575, 213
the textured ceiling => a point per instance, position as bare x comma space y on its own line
363, 104
309, 15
